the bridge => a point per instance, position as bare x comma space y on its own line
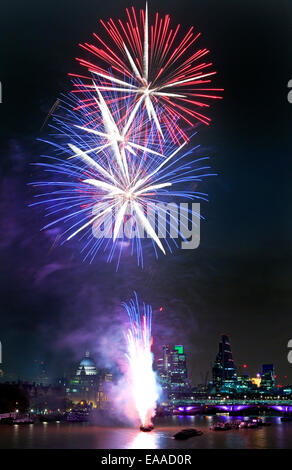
280, 405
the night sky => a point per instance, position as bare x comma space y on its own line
52, 305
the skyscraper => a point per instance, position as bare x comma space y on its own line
268, 378
172, 370
224, 370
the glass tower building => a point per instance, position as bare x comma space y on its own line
224, 370
172, 370
268, 378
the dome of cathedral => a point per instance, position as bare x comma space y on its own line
87, 365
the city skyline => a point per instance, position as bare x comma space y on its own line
165, 358
237, 281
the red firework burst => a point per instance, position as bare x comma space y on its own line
155, 65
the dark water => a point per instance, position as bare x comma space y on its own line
88, 436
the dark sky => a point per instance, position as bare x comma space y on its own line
238, 282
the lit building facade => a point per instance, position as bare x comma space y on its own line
162, 366
224, 370
256, 380
172, 371
268, 378
242, 384
89, 384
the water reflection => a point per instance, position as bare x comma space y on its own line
86, 436
145, 440
15, 430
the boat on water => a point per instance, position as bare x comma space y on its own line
260, 422
147, 428
252, 425
248, 424
187, 433
235, 424
243, 425
23, 420
221, 427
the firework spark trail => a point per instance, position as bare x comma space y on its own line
131, 119
108, 177
162, 67
118, 144
144, 387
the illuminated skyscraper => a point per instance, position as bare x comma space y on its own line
162, 366
268, 378
224, 370
172, 370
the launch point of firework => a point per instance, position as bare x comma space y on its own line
144, 387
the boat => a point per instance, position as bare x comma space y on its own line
260, 422
227, 426
243, 425
221, 427
217, 427
145, 428
252, 425
24, 420
235, 424
187, 433
248, 424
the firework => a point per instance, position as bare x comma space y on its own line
143, 380
110, 178
169, 77
119, 150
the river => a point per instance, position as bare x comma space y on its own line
87, 436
